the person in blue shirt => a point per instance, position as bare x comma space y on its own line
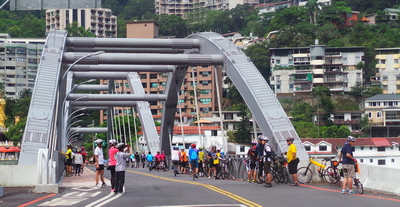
194, 159
149, 159
348, 162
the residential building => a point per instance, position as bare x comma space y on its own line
180, 7
388, 69
323, 2
300, 69
350, 119
19, 61
383, 109
371, 151
100, 21
350, 19
272, 7
393, 14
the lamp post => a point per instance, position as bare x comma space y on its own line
61, 84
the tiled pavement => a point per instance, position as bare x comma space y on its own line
86, 179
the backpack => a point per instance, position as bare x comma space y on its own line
272, 155
193, 155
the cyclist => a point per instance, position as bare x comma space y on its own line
194, 159
201, 161
260, 151
253, 159
99, 162
149, 159
293, 160
217, 167
267, 161
143, 159
158, 160
175, 159
183, 161
348, 162
112, 162
210, 157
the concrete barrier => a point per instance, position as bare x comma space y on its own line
18, 175
380, 179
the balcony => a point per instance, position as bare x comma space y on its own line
318, 80
318, 71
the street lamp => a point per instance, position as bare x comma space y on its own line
61, 83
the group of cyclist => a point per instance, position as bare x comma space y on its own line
260, 155
156, 162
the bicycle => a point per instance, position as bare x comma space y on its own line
356, 182
304, 174
228, 169
279, 171
176, 167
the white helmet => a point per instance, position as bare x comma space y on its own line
120, 146
351, 139
265, 138
99, 141
113, 142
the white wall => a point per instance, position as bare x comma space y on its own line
380, 179
18, 175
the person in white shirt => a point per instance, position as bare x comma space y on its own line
99, 162
175, 154
78, 160
120, 168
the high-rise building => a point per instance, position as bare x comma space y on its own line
299, 69
179, 7
19, 60
100, 21
388, 69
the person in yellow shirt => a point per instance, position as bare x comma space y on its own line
217, 167
292, 159
201, 161
68, 163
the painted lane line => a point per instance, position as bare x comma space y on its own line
211, 187
37, 200
101, 199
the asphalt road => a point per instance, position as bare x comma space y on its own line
145, 188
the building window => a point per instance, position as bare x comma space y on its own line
381, 149
143, 76
307, 147
369, 114
154, 85
379, 114
361, 160
381, 162
205, 100
392, 160
362, 148
228, 116
153, 76
370, 148
278, 86
214, 132
242, 148
371, 160
323, 148
384, 78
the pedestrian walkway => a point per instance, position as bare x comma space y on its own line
86, 179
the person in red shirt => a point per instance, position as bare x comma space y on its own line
112, 162
84, 156
158, 160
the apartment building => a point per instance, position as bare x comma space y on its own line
382, 109
201, 79
300, 69
19, 61
179, 7
350, 119
100, 21
388, 69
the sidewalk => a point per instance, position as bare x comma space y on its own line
86, 179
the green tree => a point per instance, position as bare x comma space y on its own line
313, 8
365, 125
242, 135
15, 132
75, 31
306, 129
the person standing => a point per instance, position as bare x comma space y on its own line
253, 159
183, 161
292, 159
163, 159
217, 165
137, 158
68, 163
120, 168
175, 154
201, 162
84, 157
78, 160
260, 151
348, 162
210, 157
99, 163
194, 159
149, 159
267, 159
112, 162
143, 159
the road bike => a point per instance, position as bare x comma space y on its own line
331, 175
356, 181
228, 169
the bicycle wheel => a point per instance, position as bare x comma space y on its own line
359, 186
205, 170
232, 172
331, 175
244, 174
285, 175
304, 175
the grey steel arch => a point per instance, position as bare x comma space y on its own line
257, 94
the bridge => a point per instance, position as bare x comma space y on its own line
65, 59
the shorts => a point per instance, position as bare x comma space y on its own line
175, 162
267, 167
253, 164
194, 163
348, 170
69, 162
101, 167
182, 164
292, 165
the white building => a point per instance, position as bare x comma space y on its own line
371, 151
100, 21
299, 69
388, 69
350, 119
19, 61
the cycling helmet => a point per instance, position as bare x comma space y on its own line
113, 142
351, 139
201, 148
265, 138
82, 148
290, 139
260, 137
193, 145
120, 146
253, 142
69, 145
218, 150
213, 146
99, 141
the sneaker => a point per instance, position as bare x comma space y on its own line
294, 184
113, 190
268, 185
97, 185
351, 192
103, 185
197, 176
249, 181
343, 192
209, 177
